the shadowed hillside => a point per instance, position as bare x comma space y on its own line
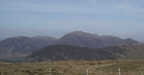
65, 52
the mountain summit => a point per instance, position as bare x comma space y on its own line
85, 39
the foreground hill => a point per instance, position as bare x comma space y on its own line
21, 46
84, 39
134, 51
65, 52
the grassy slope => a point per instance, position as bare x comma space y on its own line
71, 67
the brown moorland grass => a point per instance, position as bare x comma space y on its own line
71, 67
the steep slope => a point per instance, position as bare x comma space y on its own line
84, 39
21, 46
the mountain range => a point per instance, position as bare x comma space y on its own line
25, 46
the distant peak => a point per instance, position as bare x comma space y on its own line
80, 33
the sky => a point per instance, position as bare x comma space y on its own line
122, 18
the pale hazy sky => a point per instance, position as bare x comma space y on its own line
123, 18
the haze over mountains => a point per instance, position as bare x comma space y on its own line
24, 46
